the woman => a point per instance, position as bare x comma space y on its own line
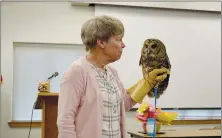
92, 100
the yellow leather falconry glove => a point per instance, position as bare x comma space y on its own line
143, 86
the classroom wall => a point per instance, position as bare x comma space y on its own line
41, 23
187, 36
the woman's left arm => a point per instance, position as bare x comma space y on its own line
137, 92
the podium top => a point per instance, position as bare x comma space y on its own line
43, 96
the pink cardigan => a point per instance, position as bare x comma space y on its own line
80, 103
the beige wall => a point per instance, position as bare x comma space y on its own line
54, 22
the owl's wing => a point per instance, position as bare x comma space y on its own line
168, 62
143, 64
140, 61
144, 71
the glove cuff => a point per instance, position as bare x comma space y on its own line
139, 90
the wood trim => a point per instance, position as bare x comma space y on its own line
196, 122
18, 124
193, 108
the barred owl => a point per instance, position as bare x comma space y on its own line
153, 56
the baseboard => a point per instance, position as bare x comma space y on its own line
19, 124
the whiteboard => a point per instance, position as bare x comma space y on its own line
193, 41
34, 62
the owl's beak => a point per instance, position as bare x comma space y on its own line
148, 51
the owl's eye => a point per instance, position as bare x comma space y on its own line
154, 46
146, 46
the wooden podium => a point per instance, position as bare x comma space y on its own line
48, 102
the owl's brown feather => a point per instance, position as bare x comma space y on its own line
154, 56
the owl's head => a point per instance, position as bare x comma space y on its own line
153, 47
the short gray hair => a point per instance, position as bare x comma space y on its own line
102, 28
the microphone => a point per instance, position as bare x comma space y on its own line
53, 75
